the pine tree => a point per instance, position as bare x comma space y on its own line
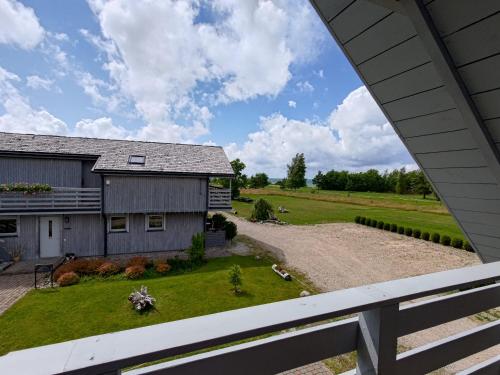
297, 172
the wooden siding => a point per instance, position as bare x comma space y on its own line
55, 172
89, 178
143, 194
83, 235
392, 60
179, 229
27, 239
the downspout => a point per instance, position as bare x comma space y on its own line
105, 221
206, 207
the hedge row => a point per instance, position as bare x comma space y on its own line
416, 233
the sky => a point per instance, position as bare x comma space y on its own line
264, 79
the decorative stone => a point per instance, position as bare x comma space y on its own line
305, 293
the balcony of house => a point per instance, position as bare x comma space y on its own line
289, 334
58, 199
219, 198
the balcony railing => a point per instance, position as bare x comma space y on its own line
219, 198
59, 199
373, 333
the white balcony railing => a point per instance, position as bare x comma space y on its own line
59, 199
219, 198
373, 333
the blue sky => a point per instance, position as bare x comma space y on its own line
261, 78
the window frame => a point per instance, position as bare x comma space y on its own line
110, 228
131, 157
148, 228
16, 218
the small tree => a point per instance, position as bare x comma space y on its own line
218, 221
235, 278
422, 186
196, 252
260, 180
262, 210
231, 230
296, 177
402, 183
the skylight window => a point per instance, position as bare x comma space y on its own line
137, 159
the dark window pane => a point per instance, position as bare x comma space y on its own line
118, 223
155, 222
50, 228
8, 226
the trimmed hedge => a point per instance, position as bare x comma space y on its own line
409, 232
369, 222
387, 226
425, 236
394, 228
468, 247
357, 219
401, 230
445, 240
374, 223
362, 220
435, 237
380, 225
457, 243
417, 233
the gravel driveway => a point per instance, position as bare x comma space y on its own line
344, 255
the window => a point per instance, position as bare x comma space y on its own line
137, 159
8, 226
155, 222
118, 223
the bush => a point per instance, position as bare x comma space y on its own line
417, 233
368, 222
408, 232
426, 236
457, 243
435, 237
68, 278
196, 252
81, 267
380, 225
134, 272
25, 188
387, 226
218, 221
374, 223
231, 230
262, 210
138, 261
401, 230
235, 278
468, 247
108, 269
357, 219
362, 220
163, 268
394, 228
445, 240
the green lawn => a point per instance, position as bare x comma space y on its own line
311, 211
96, 307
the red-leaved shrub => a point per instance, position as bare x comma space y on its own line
80, 266
138, 261
68, 278
108, 269
134, 272
163, 268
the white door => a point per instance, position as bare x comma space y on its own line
50, 236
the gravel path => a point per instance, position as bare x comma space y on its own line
345, 255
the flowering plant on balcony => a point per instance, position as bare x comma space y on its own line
25, 188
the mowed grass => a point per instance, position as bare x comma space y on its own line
95, 307
311, 211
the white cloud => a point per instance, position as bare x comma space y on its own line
292, 104
19, 25
355, 136
159, 54
320, 73
94, 88
305, 86
100, 128
37, 82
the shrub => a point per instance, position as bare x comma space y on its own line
374, 223
401, 230
362, 220
196, 252
409, 232
108, 269
138, 261
368, 222
262, 210
162, 268
231, 230
457, 243
235, 278
426, 236
387, 226
445, 240
81, 267
468, 247
357, 219
435, 237
380, 225
134, 272
218, 221
394, 228
416, 233
68, 278
25, 188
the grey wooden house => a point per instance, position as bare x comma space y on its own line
108, 196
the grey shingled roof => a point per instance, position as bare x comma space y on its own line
112, 155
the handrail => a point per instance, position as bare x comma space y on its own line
115, 351
219, 198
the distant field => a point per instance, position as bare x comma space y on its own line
308, 208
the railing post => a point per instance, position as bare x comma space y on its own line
377, 341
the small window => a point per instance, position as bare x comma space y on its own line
118, 223
155, 222
137, 159
8, 226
